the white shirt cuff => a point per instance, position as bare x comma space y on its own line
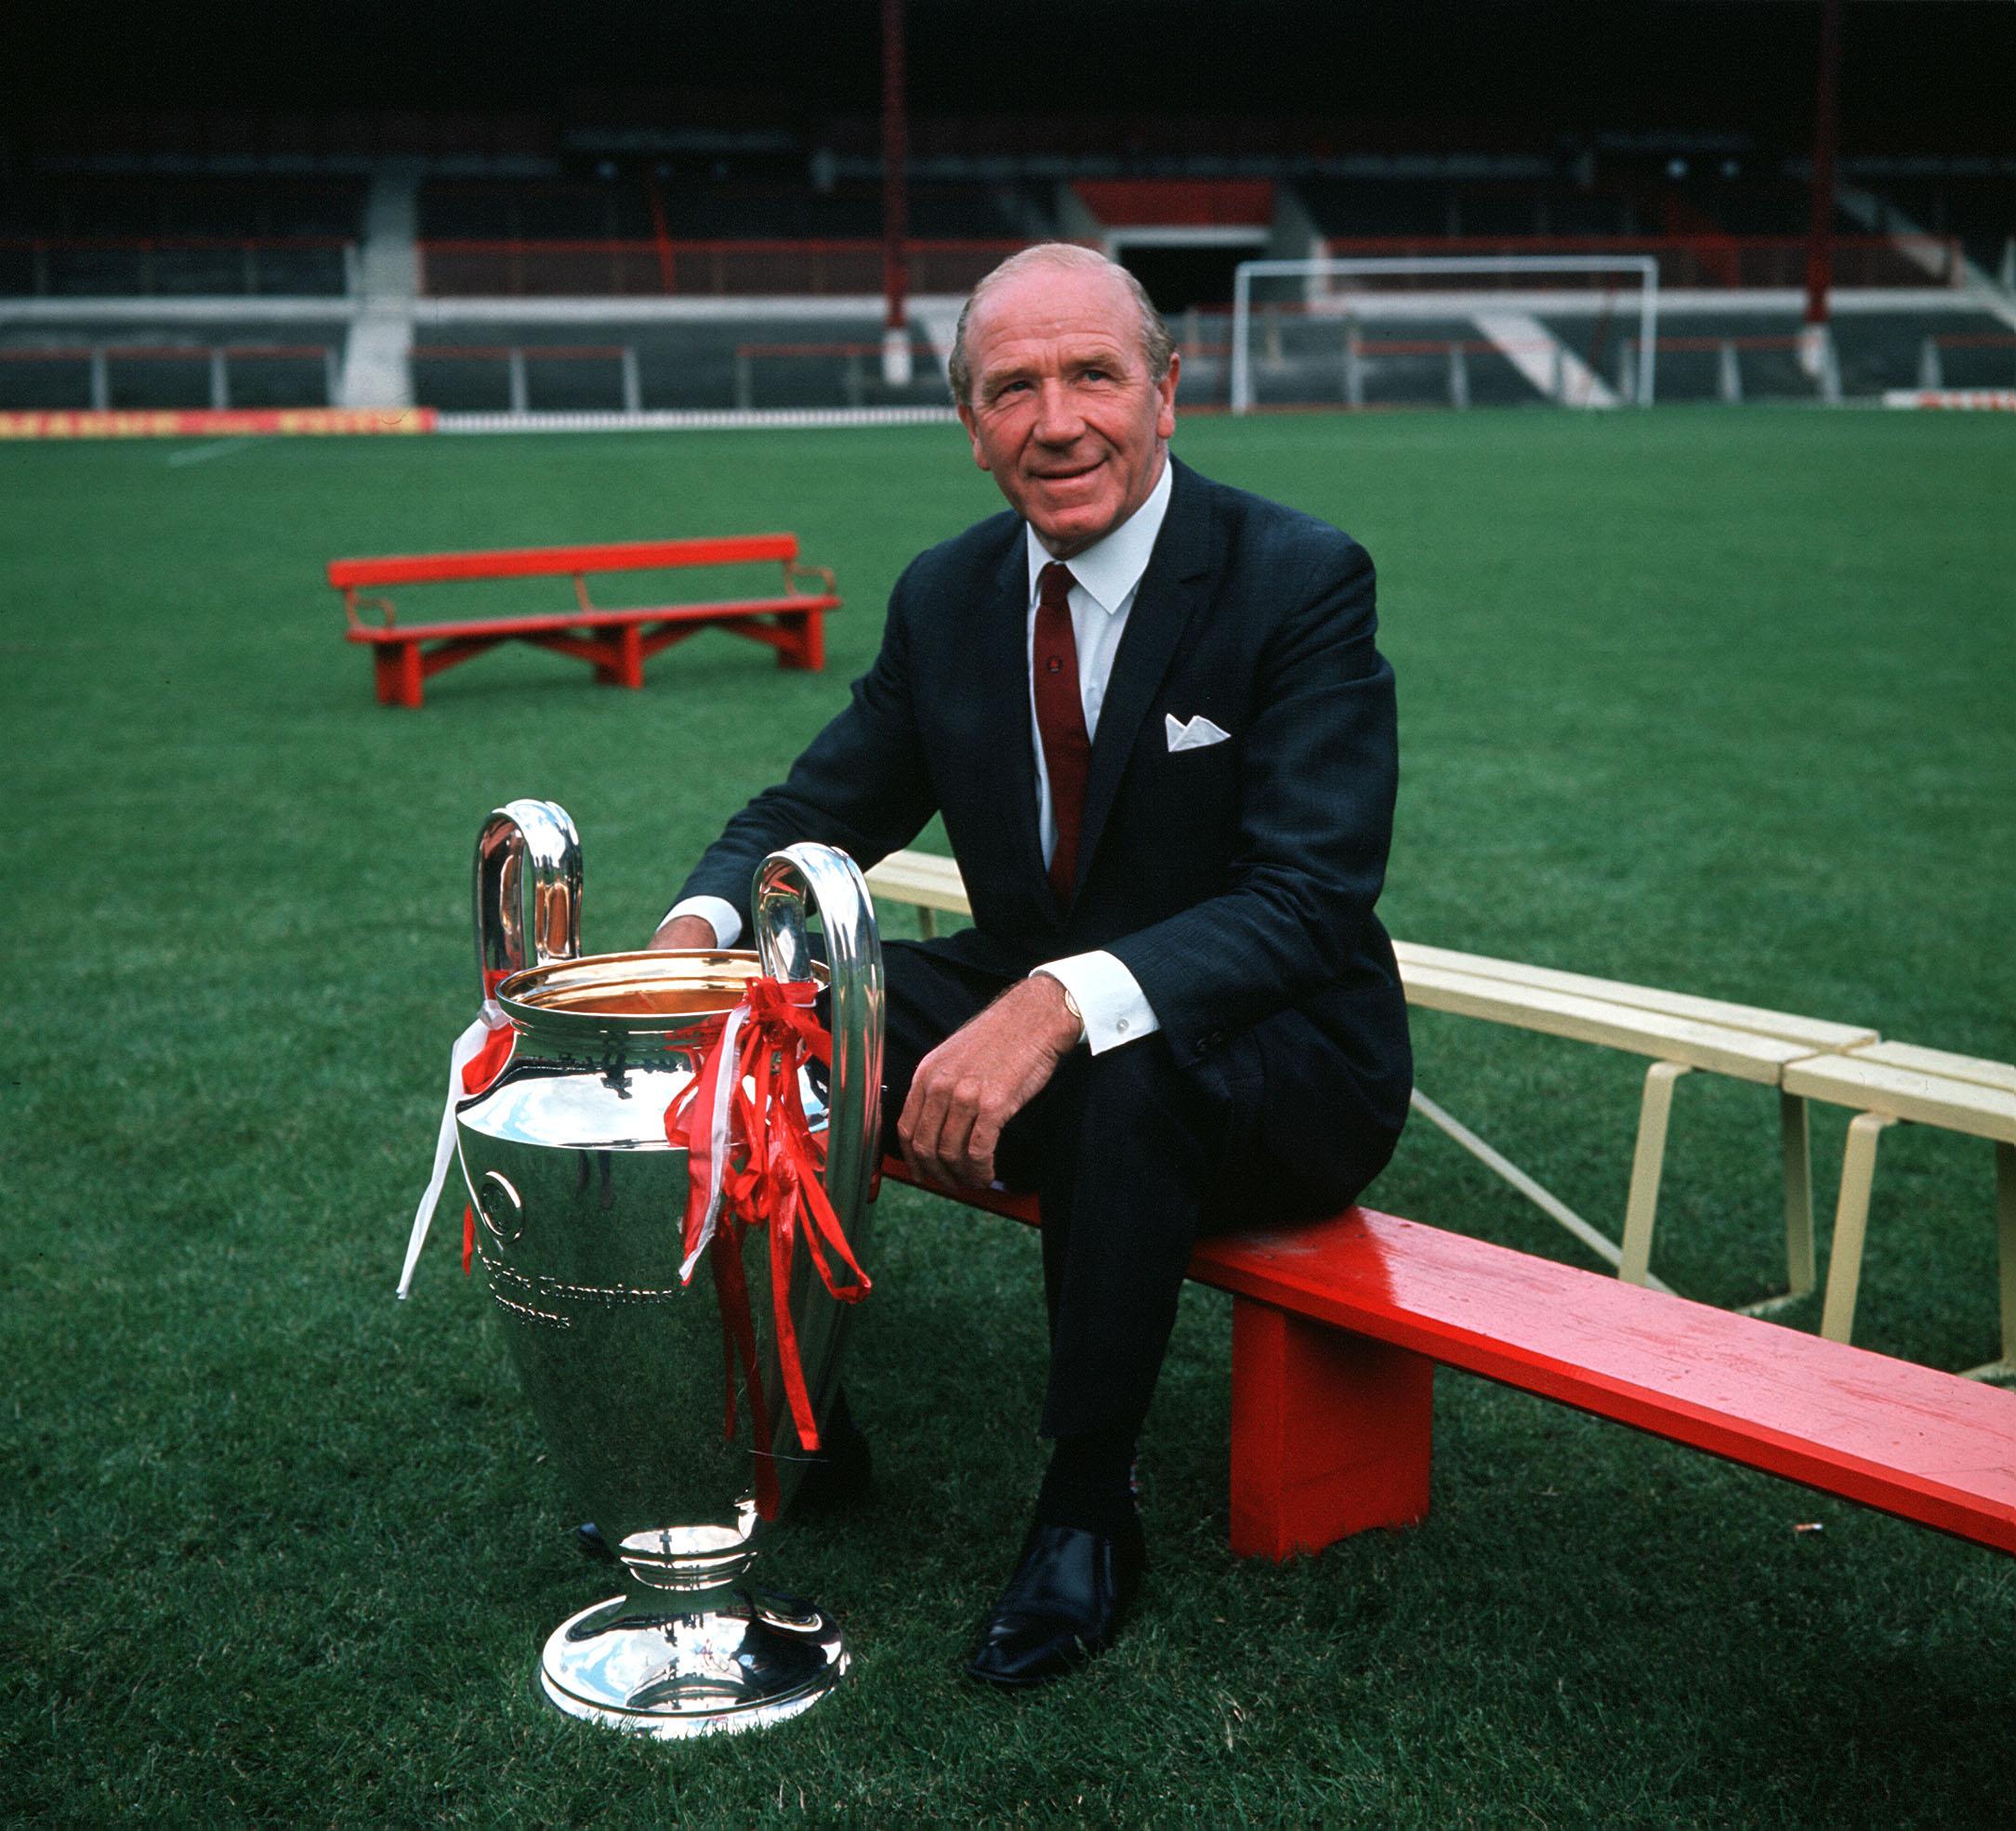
1108, 997
716, 911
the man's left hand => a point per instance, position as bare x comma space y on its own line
979, 1077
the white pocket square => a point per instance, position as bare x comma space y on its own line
1195, 734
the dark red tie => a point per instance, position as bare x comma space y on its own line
1061, 720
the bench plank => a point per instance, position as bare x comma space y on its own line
1738, 1053
527, 623
620, 556
1907, 1440
1925, 1446
921, 879
1817, 1032
1942, 1062
1906, 1093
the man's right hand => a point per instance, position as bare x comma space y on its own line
683, 931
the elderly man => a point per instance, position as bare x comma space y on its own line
1151, 713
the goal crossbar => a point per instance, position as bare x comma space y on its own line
1347, 267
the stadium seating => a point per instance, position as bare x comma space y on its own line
1978, 208
264, 217
177, 236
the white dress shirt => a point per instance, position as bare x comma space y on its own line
1106, 577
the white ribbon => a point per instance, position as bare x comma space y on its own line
468, 1047
720, 1144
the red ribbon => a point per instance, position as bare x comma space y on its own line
481, 1069
752, 1161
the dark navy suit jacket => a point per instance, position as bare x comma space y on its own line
1236, 881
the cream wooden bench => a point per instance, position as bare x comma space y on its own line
1804, 1058
1680, 1031
1884, 1083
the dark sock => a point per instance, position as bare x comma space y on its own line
840, 1427
1089, 1483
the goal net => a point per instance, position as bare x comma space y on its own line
1577, 330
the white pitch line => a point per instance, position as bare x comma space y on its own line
204, 454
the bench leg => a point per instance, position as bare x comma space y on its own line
2004, 1217
807, 653
1851, 1224
626, 666
1330, 1433
396, 666
1648, 1163
1800, 1273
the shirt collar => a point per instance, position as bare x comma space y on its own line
1111, 567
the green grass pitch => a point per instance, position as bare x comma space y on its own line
1724, 700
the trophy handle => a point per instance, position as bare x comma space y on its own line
839, 894
538, 833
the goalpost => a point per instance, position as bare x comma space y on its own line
1314, 298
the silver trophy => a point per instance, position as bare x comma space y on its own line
661, 1397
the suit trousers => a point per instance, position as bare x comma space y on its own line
1132, 1157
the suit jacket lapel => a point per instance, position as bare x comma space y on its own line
1171, 590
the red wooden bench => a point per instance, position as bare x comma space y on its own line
1337, 1328
616, 641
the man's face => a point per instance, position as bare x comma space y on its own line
1064, 412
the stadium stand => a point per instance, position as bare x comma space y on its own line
92, 236
1977, 208
505, 265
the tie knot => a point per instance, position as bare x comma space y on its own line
1054, 583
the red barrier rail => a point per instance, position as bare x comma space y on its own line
641, 269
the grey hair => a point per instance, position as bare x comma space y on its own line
1157, 346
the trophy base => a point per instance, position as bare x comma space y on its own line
762, 1660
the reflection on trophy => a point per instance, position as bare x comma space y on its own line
668, 1181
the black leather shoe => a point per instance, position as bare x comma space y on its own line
589, 1542
1062, 1606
